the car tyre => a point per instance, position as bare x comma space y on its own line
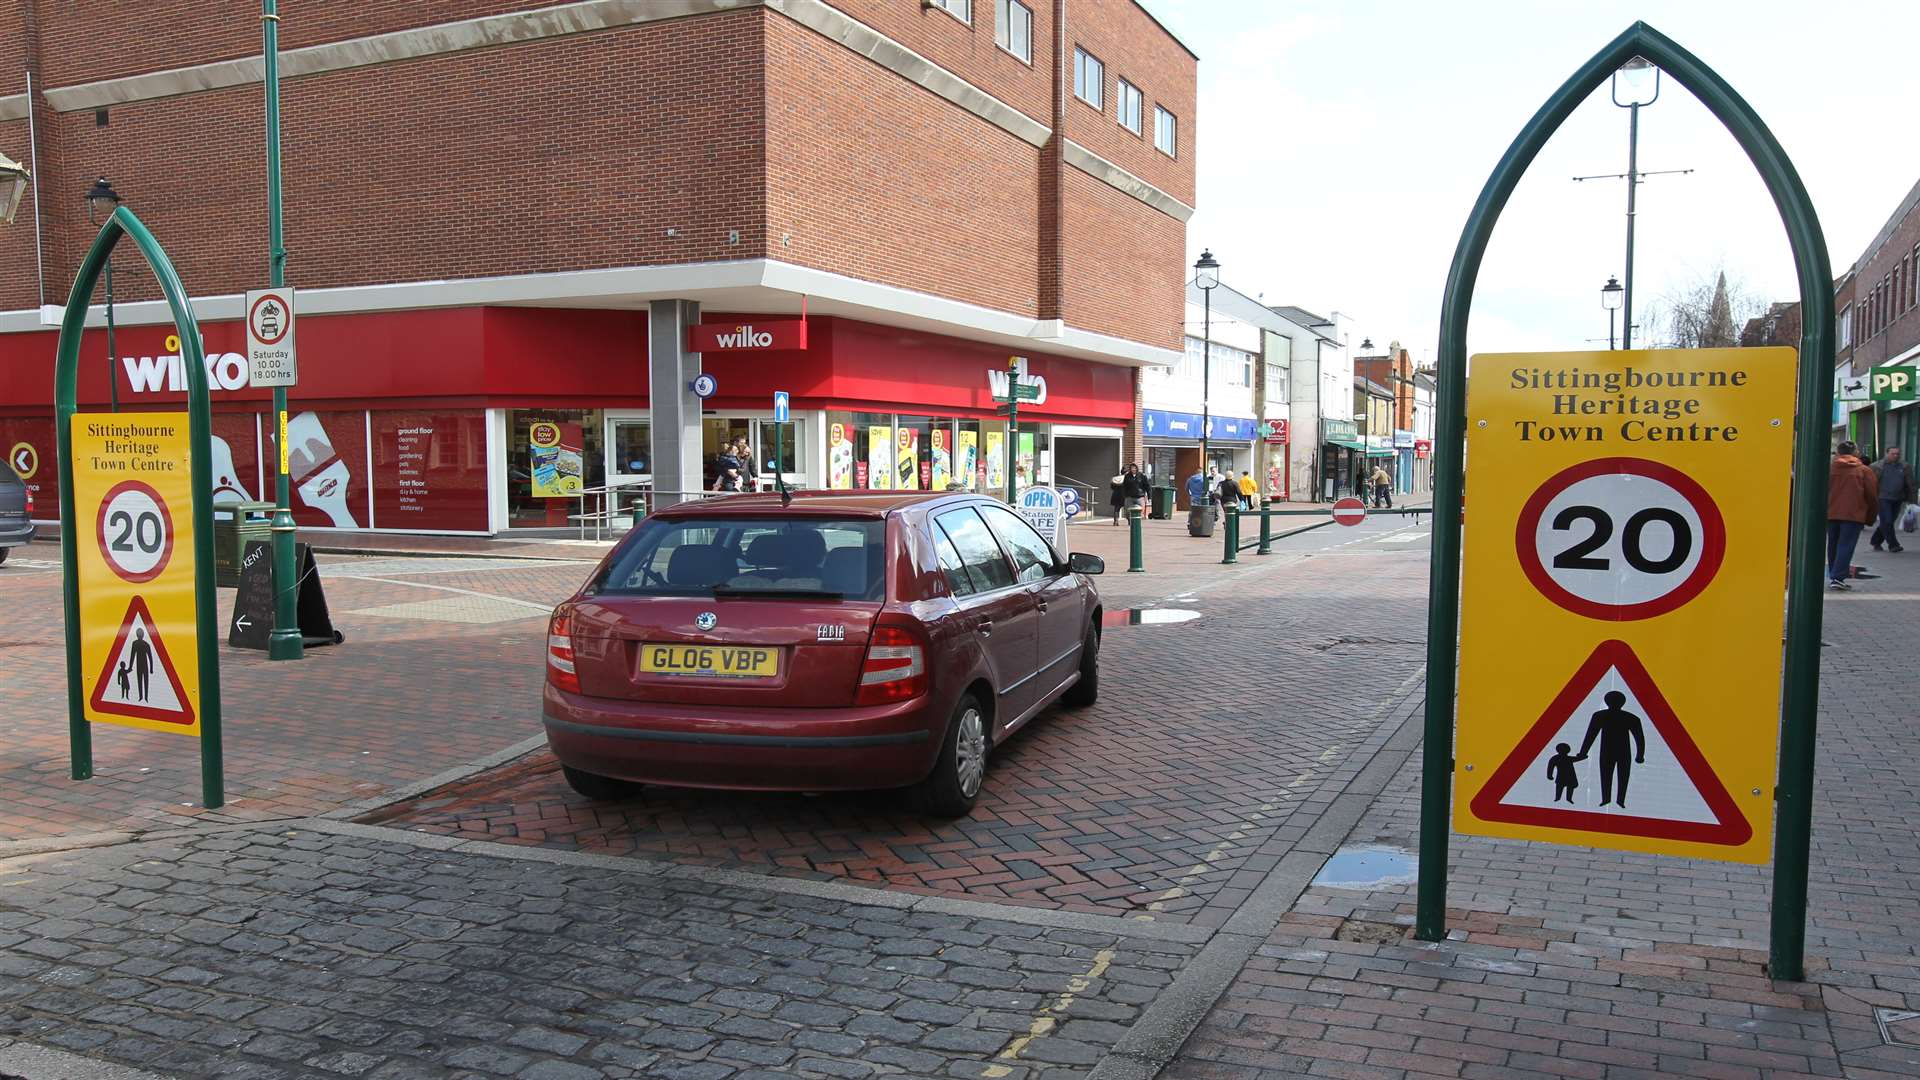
1087, 691
597, 787
960, 769
3, 554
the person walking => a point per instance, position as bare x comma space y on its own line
1895, 478
1382, 488
1229, 491
1249, 490
1196, 488
1852, 492
1129, 489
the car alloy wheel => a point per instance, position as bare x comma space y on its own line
970, 752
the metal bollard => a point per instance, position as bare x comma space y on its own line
1232, 533
1136, 552
1266, 528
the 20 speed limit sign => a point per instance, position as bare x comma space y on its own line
1620, 538
134, 530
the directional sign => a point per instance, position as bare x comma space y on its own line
24, 459
1621, 597
133, 506
780, 402
270, 356
1893, 382
1349, 511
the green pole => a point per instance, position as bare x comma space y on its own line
285, 642
1013, 432
1231, 532
1136, 551
1266, 528
1814, 407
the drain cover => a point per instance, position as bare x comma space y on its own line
1364, 932
1899, 1027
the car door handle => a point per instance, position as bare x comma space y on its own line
985, 626
1041, 603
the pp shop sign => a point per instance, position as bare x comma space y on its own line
270, 355
1623, 581
133, 511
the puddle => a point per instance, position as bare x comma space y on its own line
1148, 616
1369, 866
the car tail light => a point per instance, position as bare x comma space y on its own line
560, 652
29, 502
895, 668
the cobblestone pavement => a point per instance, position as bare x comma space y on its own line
438, 654
1170, 799
1573, 962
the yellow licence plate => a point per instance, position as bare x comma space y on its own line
710, 661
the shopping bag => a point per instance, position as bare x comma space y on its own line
1910, 521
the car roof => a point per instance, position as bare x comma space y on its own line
875, 504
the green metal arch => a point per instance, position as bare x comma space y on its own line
1814, 407
200, 430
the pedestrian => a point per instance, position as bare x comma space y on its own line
1852, 492
1895, 478
1229, 489
749, 477
1129, 489
1196, 488
1249, 489
1382, 488
726, 469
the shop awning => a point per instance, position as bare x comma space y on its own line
1351, 444
1380, 451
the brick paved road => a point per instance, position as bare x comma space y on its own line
1171, 798
1572, 962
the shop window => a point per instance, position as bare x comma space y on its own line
326, 468
633, 447
789, 445
1033, 456
552, 456
430, 470
968, 464
913, 457
860, 451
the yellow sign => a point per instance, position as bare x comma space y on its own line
283, 442
133, 513
1623, 581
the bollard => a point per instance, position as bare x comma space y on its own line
1266, 528
1232, 533
1136, 554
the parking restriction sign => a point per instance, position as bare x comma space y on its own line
1623, 572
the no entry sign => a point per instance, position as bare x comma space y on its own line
1623, 573
1349, 511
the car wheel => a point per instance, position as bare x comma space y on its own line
3, 554
1087, 691
594, 786
960, 770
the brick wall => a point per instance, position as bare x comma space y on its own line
1122, 276
969, 50
1133, 47
1884, 289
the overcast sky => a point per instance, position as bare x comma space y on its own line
1342, 142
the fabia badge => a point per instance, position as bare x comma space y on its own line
830, 632
706, 620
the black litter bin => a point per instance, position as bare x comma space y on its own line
1162, 504
1202, 518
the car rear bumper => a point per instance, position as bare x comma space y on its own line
758, 749
15, 533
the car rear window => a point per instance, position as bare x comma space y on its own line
842, 558
7, 475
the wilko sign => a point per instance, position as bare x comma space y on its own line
148, 374
748, 337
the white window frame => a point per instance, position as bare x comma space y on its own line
1003, 30
1081, 58
1121, 89
1173, 125
964, 14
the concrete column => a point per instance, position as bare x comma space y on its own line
677, 460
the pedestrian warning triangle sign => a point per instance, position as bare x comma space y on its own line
140, 679
1609, 756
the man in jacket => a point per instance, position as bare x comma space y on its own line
1895, 478
1852, 492
1382, 487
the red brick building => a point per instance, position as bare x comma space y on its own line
1877, 304
506, 220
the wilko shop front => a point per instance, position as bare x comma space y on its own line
484, 419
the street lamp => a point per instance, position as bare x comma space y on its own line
1206, 274
13, 187
1640, 82
1610, 299
102, 200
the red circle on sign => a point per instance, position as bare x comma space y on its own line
1350, 511
1713, 539
285, 324
166, 531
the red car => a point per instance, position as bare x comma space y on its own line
845, 641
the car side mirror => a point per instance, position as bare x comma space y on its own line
1081, 563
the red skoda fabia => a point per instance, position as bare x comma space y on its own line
844, 641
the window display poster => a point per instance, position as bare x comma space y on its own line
880, 458
430, 470
1023, 461
839, 457
236, 459
942, 460
909, 459
326, 466
557, 462
996, 460
970, 459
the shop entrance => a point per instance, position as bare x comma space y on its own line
1088, 463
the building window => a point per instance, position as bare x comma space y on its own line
1127, 105
1013, 29
1089, 78
1166, 134
1276, 383
959, 9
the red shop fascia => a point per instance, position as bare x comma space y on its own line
393, 424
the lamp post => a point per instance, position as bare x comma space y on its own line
100, 195
1206, 274
1637, 87
1610, 297
285, 642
